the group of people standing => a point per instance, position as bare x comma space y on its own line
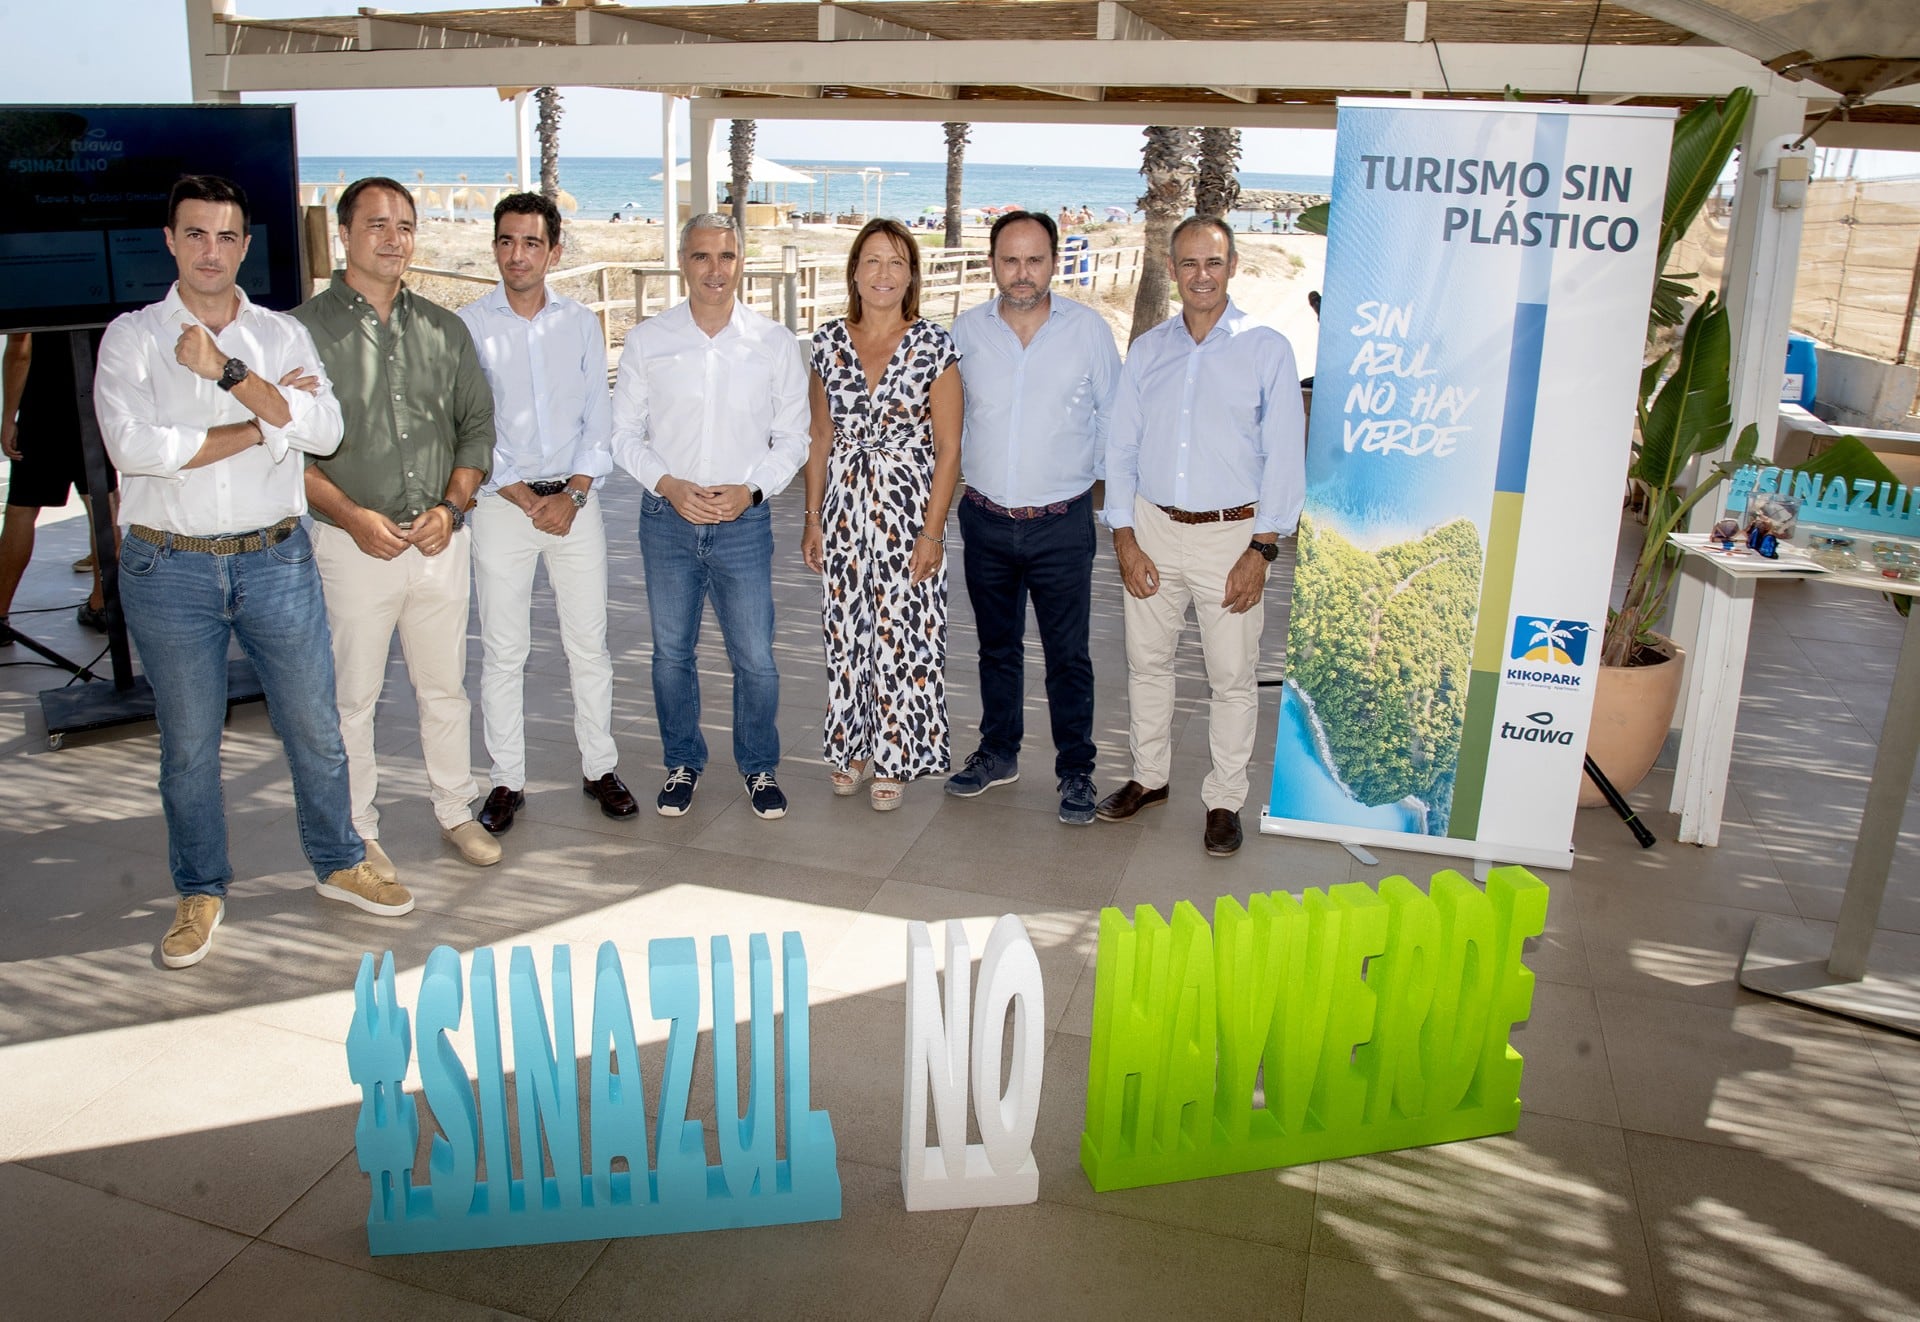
435, 451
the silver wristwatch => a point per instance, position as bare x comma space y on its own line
578, 497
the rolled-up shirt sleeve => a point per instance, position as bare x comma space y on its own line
313, 426
1123, 449
791, 437
472, 405
594, 456
1106, 380
1283, 445
125, 402
630, 419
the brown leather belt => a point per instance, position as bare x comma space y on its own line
237, 545
1234, 515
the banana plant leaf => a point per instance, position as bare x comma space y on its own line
1314, 219
1693, 411
1704, 140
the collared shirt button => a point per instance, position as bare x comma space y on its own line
396, 394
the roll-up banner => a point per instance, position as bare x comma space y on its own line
1489, 267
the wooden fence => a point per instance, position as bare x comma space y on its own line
804, 292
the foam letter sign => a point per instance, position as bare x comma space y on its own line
943, 1050
1374, 1021
608, 1189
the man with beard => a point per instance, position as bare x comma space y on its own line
1039, 373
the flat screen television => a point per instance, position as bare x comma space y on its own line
83, 200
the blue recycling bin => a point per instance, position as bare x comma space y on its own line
1078, 262
1803, 371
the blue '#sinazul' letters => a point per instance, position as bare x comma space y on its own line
462, 1205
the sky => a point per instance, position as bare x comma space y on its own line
92, 51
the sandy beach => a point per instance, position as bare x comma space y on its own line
1276, 271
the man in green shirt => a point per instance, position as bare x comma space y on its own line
390, 507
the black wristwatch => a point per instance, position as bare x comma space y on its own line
753, 493
459, 515
232, 374
1269, 551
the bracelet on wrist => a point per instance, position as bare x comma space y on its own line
937, 541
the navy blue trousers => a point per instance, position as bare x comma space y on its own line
1049, 561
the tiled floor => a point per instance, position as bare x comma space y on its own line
181, 1144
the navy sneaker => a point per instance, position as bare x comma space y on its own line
676, 796
92, 616
763, 791
983, 771
1077, 800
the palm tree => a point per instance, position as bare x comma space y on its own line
1166, 161
1216, 186
547, 131
740, 153
957, 134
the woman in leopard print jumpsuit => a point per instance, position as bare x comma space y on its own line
882, 472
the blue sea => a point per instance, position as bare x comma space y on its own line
605, 184
1305, 790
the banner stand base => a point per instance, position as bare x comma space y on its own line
1483, 854
1365, 857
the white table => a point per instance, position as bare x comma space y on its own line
1784, 957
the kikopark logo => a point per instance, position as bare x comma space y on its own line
1537, 729
1548, 653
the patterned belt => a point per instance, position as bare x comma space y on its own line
1234, 515
239, 544
1021, 511
549, 487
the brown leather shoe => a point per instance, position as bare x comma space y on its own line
496, 814
611, 794
1223, 832
1129, 799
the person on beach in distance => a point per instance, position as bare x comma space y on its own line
1206, 470
207, 404
710, 414
546, 360
885, 460
390, 506
1039, 374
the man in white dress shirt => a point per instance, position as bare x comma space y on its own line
710, 414
209, 405
1206, 471
546, 361
1040, 374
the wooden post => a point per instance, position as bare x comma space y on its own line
1913, 300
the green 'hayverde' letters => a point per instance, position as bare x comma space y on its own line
1345, 1021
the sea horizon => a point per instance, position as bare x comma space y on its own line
908, 189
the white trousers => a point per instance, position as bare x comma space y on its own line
1193, 560
425, 598
506, 547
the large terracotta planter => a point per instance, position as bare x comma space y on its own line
1632, 711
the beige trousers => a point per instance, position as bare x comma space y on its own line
425, 599
1193, 560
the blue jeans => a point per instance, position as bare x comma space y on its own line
731, 564
182, 609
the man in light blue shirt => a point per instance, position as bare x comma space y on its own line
1039, 373
546, 362
1206, 471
